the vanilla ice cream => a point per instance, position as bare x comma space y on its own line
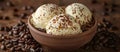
44, 13
80, 12
63, 25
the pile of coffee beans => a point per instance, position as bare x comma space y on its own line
104, 38
18, 38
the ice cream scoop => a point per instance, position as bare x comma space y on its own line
44, 13
63, 25
80, 12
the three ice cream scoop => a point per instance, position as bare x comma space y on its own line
57, 21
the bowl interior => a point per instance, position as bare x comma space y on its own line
62, 36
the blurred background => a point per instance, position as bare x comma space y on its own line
13, 11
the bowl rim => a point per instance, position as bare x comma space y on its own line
30, 25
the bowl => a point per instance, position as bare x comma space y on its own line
60, 43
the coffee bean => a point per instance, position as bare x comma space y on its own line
15, 32
105, 13
1, 35
7, 29
15, 10
12, 49
9, 3
23, 15
32, 50
108, 24
105, 4
10, 33
21, 22
8, 45
1, 28
1, 9
27, 7
1, 17
6, 18
3, 47
114, 28
94, 1
16, 15
24, 8
97, 47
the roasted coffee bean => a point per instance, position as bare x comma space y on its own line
1, 35
97, 47
27, 7
15, 10
23, 15
9, 3
32, 50
3, 47
114, 28
105, 4
8, 45
1, 17
10, 33
12, 49
7, 29
16, 15
1, 28
94, 1
32, 10
15, 32
1, 9
105, 13
108, 24
6, 18
24, 8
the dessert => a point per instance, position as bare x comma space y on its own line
44, 13
63, 25
63, 32
80, 12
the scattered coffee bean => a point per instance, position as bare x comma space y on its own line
9, 3
1, 17
24, 8
105, 13
8, 45
27, 7
15, 10
105, 4
23, 15
6, 18
12, 49
94, 1
1, 9
10, 33
1, 28
3, 47
7, 29
16, 15
21, 40
114, 28
1, 35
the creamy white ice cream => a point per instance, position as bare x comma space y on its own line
44, 13
80, 12
63, 25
